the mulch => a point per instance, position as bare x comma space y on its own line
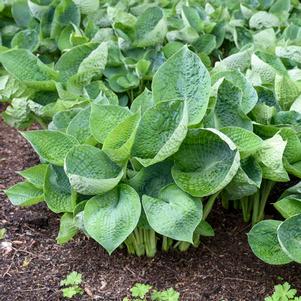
222, 268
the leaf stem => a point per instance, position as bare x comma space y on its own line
209, 205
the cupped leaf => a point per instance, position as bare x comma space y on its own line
143, 101
24, 194
26, 67
79, 126
289, 237
118, 144
91, 171
51, 146
160, 132
35, 175
228, 110
205, 163
246, 141
289, 205
111, 218
264, 243
151, 27
183, 76
104, 118
59, 196
246, 181
67, 230
174, 213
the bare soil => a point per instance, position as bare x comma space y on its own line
222, 268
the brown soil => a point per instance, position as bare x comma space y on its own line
223, 268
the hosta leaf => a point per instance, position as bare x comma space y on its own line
24, 194
150, 27
270, 159
228, 110
263, 19
264, 243
289, 237
286, 91
205, 163
90, 170
246, 141
35, 175
249, 95
79, 126
104, 118
87, 6
70, 61
296, 106
67, 229
183, 76
26, 67
51, 146
204, 229
57, 191
174, 213
266, 72
143, 102
61, 119
289, 205
111, 218
21, 13
118, 144
27, 39
292, 150
160, 132
246, 181
151, 179
290, 52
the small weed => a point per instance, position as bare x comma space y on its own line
283, 292
71, 285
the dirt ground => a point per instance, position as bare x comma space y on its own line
222, 268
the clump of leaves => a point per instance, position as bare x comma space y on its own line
283, 292
70, 286
144, 292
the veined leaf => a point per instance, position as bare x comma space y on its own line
35, 175
205, 163
160, 132
59, 196
51, 146
24, 194
90, 170
183, 76
289, 205
174, 213
67, 230
264, 243
111, 218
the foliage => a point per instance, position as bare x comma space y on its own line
283, 292
71, 285
143, 292
151, 111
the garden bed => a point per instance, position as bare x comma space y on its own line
222, 268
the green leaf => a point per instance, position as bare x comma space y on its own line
57, 191
104, 118
142, 102
61, 119
67, 229
204, 229
286, 91
87, 6
35, 175
168, 295
140, 290
74, 278
246, 181
183, 76
289, 237
72, 291
160, 132
270, 159
246, 141
264, 243
24, 194
263, 19
289, 205
26, 67
27, 39
228, 110
79, 126
150, 28
21, 13
174, 213
111, 218
118, 144
205, 163
90, 170
51, 146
